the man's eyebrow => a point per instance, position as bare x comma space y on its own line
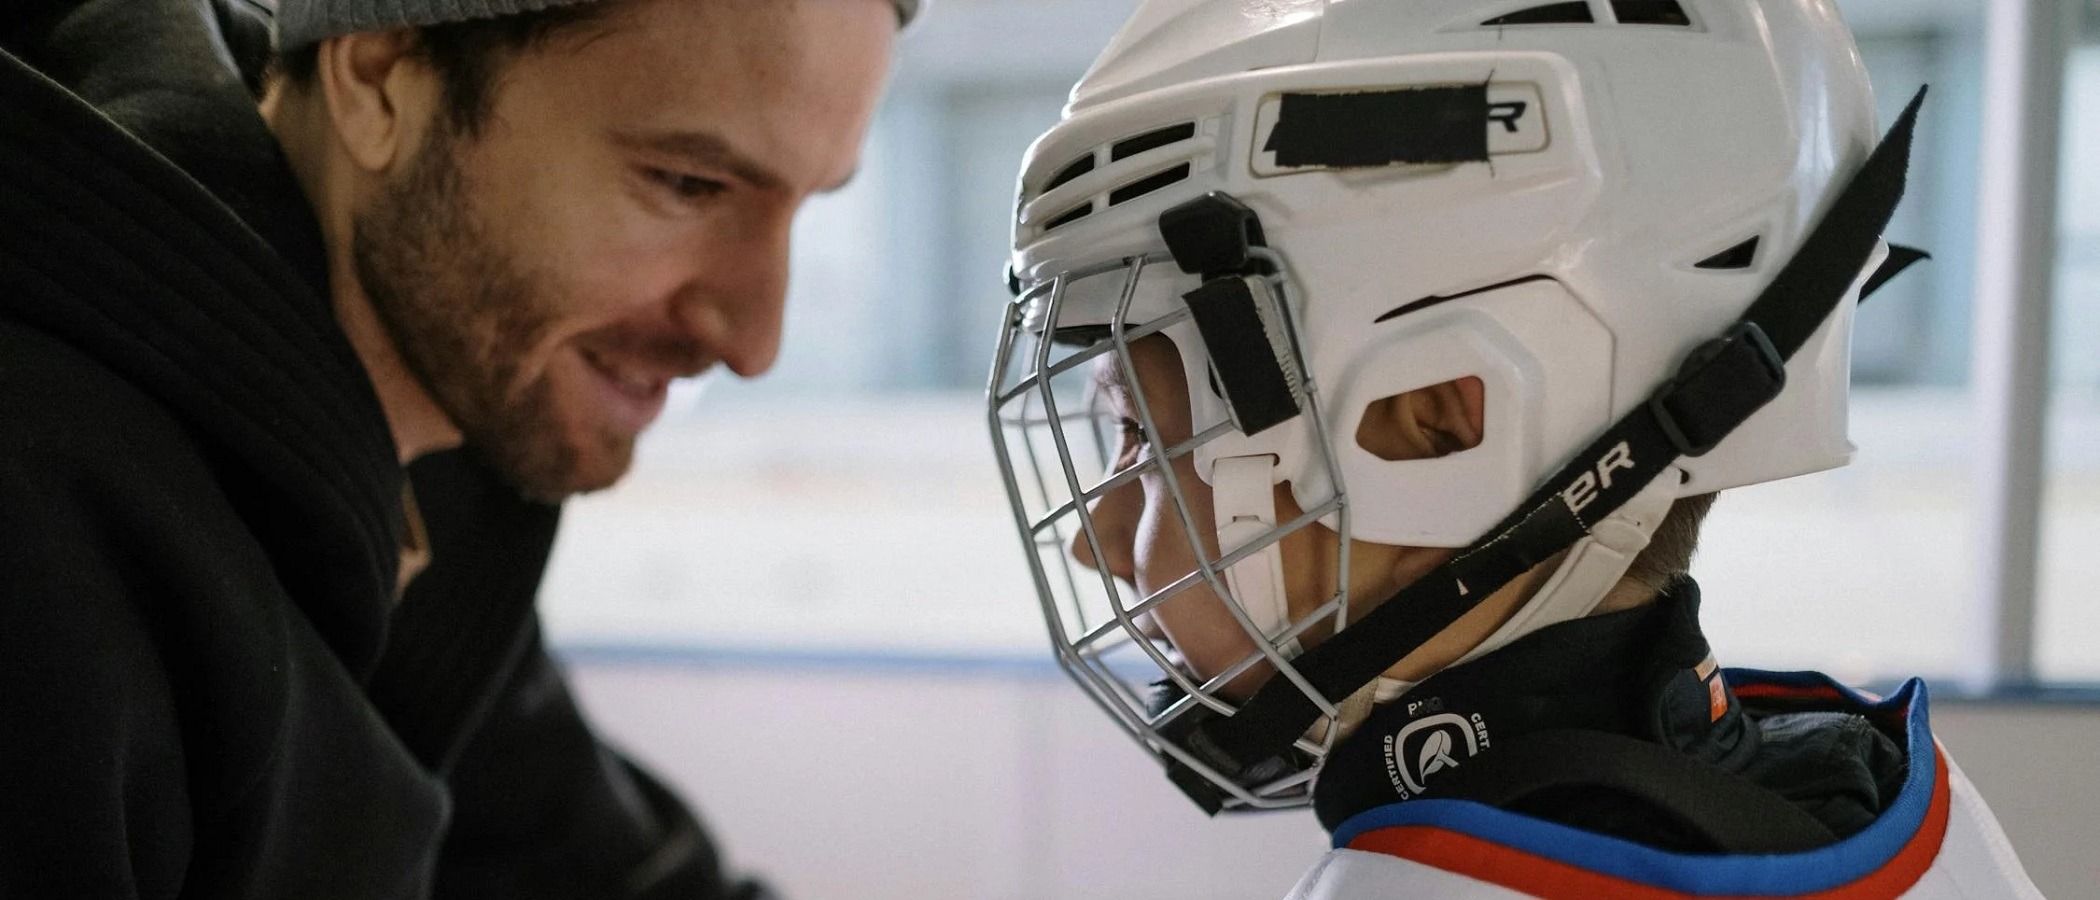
707, 149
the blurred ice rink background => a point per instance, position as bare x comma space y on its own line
876, 526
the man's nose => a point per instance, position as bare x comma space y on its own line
737, 306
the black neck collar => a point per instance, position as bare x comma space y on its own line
1644, 673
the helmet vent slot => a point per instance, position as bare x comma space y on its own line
1075, 214
1549, 14
1740, 256
1148, 184
1107, 156
1072, 170
1151, 140
1650, 12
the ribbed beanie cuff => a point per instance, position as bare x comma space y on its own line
302, 22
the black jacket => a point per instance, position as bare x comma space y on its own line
207, 688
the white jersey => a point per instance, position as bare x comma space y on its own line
1937, 841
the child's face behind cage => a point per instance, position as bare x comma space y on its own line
1145, 543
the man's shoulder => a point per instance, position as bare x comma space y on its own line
105, 489
110, 516
117, 533
66, 412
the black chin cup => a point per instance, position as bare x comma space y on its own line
1187, 734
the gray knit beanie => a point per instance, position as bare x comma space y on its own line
302, 22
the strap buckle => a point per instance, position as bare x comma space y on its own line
1212, 235
1719, 386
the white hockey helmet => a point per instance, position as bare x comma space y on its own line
1324, 204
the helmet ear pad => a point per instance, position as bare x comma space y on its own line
1544, 363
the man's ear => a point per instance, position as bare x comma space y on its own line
380, 96
1426, 423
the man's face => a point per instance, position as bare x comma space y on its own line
620, 221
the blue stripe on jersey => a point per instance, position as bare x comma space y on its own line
1709, 875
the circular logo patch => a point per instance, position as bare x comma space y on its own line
1430, 745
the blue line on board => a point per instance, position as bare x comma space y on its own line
1011, 665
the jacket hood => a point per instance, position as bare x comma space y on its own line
152, 222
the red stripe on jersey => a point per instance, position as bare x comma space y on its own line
1759, 691
1493, 863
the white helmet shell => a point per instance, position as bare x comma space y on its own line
1646, 179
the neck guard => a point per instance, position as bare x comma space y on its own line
1644, 673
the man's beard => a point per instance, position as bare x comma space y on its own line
464, 316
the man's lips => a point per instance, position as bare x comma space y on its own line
641, 380
636, 393
639, 385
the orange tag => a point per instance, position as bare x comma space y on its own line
1717, 697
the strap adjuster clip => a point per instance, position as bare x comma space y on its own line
1212, 236
1718, 387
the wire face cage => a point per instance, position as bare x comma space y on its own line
1085, 433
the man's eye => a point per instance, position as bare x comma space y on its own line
690, 187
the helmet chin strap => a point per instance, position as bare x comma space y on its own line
1244, 503
1243, 491
1243, 497
1593, 567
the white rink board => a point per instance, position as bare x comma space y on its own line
878, 526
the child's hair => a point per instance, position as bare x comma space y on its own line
1669, 552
